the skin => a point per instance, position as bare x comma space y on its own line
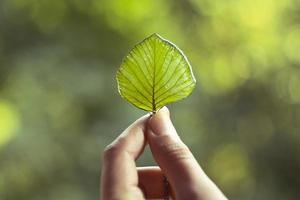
122, 180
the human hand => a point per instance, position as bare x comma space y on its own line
122, 180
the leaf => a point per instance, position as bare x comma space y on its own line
155, 73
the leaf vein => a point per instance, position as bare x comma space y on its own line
173, 85
171, 76
139, 66
173, 93
135, 86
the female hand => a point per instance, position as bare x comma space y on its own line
121, 179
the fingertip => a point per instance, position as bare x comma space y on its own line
164, 110
131, 140
160, 122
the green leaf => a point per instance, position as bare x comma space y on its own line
155, 73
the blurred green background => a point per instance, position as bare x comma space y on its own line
59, 105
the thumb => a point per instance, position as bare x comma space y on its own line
175, 159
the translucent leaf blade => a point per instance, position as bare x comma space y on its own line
155, 73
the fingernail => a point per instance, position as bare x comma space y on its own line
160, 123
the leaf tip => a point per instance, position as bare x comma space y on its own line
155, 35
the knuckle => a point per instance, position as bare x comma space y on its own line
174, 150
110, 151
115, 148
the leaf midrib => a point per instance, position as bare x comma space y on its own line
153, 80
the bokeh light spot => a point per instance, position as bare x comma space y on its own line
223, 75
257, 14
292, 45
230, 166
9, 121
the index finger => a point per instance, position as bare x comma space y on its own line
119, 177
